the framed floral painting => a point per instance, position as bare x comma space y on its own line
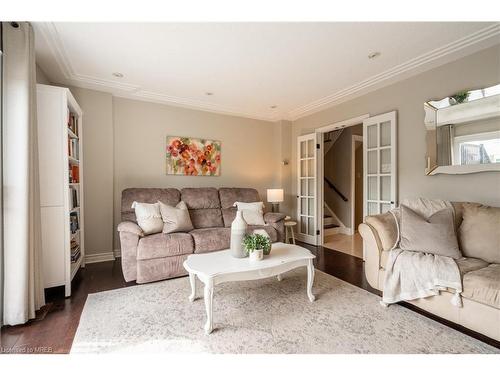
193, 156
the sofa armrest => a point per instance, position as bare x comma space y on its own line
372, 254
273, 217
131, 227
276, 220
385, 230
130, 233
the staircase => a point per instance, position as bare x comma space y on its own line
329, 222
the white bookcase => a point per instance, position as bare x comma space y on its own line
58, 179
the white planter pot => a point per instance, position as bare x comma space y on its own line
238, 230
256, 255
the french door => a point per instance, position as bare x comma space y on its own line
379, 164
307, 189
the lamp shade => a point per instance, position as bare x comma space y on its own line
274, 195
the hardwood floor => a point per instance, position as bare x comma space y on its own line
55, 327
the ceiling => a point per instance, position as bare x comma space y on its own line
300, 68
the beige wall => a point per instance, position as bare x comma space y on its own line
41, 77
407, 97
98, 143
249, 157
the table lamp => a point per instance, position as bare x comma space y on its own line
275, 196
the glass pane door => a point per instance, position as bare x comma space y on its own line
306, 188
379, 152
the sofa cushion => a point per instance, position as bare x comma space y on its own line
434, 234
164, 245
211, 239
479, 233
466, 265
146, 195
228, 196
483, 285
273, 234
206, 218
198, 198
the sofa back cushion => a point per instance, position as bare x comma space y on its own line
146, 195
479, 233
228, 196
204, 207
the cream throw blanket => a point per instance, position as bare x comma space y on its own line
412, 274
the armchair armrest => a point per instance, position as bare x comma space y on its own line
273, 217
130, 227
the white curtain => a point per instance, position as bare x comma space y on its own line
23, 285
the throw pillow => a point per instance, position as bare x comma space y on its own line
480, 232
148, 217
253, 212
175, 219
433, 235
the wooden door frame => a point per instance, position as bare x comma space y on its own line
320, 194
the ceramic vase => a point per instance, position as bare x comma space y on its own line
238, 230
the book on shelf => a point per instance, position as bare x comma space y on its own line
73, 198
75, 250
74, 174
74, 223
73, 123
73, 149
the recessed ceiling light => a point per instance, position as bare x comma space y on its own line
209, 93
273, 107
373, 55
118, 75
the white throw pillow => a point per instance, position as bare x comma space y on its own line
253, 212
176, 218
148, 217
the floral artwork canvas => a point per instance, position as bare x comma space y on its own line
193, 156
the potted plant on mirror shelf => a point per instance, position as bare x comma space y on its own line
256, 246
459, 98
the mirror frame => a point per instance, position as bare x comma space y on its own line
432, 168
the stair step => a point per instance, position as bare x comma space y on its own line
329, 226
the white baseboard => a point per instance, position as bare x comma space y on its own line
118, 253
99, 257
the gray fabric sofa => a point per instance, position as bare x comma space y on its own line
160, 256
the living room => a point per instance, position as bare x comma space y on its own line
191, 211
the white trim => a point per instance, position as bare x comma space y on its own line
355, 138
56, 46
99, 257
118, 253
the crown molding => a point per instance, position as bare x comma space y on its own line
359, 88
56, 46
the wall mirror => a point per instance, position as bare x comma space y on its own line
463, 132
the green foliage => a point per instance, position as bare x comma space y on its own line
253, 242
461, 96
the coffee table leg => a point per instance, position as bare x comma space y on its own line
310, 280
279, 277
209, 294
192, 281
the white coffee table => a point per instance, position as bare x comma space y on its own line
219, 267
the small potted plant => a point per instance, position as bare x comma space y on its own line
459, 97
256, 246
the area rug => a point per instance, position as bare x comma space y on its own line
265, 316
